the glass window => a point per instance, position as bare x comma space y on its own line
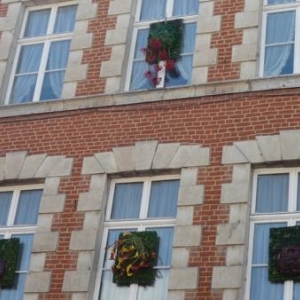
43, 54
275, 204
142, 205
18, 218
280, 41
152, 11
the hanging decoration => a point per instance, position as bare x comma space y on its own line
135, 255
163, 49
9, 253
284, 254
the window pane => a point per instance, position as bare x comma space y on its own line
26, 241
298, 193
280, 1
185, 7
280, 27
23, 89
5, 201
261, 242
127, 200
163, 199
30, 58
27, 211
158, 291
165, 235
110, 291
262, 288
58, 55
153, 10
65, 20
141, 42
272, 193
37, 23
52, 85
16, 292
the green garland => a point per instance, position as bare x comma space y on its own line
284, 254
9, 252
169, 36
135, 255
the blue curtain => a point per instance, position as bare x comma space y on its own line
37, 23
185, 7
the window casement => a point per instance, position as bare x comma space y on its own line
139, 204
280, 38
153, 11
18, 219
42, 54
276, 203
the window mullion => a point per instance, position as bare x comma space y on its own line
41, 71
169, 8
145, 199
292, 192
13, 208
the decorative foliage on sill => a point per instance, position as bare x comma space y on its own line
164, 45
284, 254
135, 255
9, 253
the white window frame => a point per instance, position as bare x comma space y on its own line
290, 217
45, 39
277, 8
139, 224
10, 229
138, 25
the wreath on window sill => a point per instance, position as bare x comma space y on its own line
284, 254
9, 253
135, 255
163, 49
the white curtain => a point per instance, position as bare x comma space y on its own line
185, 7
163, 199
55, 70
24, 84
280, 32
272, 193
261, 287
152, 10
280, 1
65, 20
127, 200
28, 206
5, 201
37, 23
17, 291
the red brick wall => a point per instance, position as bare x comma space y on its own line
210, 121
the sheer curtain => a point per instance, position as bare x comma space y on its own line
163, 199
17, 291
261, 287
27, 211
185, 64
272, 193
127, 200
65, 20
5, 201
55, 70
279, 43
185, 7
37, 23
153, 10
280, 1
26, 74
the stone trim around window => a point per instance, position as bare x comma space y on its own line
242, 155
18, 166
149, 156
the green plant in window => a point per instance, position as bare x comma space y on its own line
9, 253
164, 45
284, 254
135, 255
